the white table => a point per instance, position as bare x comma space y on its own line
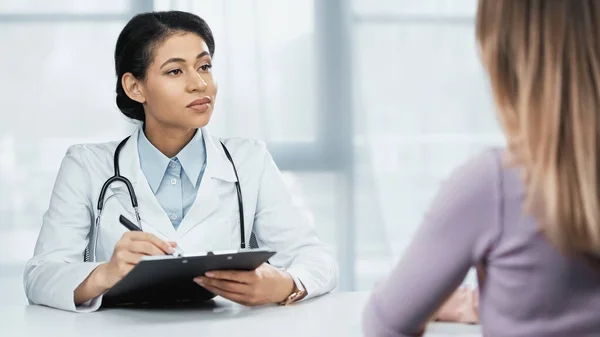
337, 314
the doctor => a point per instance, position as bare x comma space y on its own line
184, 182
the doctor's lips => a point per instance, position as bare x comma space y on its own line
200, 104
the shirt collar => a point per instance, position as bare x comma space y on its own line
154, 163
193, 157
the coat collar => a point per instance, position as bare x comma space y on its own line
218, 168
217, 164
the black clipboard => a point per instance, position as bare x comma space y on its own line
168, 279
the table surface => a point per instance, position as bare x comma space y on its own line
336, 314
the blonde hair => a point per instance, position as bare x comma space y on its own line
543, 60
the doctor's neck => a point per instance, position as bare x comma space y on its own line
168, 140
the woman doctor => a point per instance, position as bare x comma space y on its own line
184, 182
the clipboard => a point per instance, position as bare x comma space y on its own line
168, 279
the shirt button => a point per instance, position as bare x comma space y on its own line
173, 181
173, 216
172, 165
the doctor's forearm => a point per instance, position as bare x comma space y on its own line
92, 287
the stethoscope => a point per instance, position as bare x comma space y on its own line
117, 177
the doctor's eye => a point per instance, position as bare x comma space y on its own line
174, 72
205, 67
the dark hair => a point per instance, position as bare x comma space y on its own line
136, 44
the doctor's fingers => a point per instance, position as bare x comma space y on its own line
145, 236
225, 286
145, 248
238, 298
125, 257
241, 276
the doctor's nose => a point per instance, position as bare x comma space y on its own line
197, 83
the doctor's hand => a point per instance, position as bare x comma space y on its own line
128, 252
264, 285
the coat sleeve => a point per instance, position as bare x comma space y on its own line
57, 267
283, 226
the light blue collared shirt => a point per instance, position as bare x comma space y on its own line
174, 181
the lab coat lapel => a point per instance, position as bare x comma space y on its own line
206, 203
218, 171
154, 218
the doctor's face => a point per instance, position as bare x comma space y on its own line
179, 88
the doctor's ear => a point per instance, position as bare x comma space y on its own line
133, 88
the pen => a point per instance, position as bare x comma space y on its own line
133, 227
128, 224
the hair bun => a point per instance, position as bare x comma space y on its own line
130, 108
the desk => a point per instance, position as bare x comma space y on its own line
336, 314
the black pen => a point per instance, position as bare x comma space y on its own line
133, 227
128, 224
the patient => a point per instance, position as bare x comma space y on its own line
527, 216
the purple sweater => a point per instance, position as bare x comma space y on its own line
477, 218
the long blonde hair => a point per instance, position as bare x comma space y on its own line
543, 60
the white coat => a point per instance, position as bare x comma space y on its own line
212, 223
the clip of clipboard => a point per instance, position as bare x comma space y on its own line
169, 279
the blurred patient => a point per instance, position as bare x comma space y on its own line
527, 216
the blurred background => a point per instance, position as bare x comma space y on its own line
366, 106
